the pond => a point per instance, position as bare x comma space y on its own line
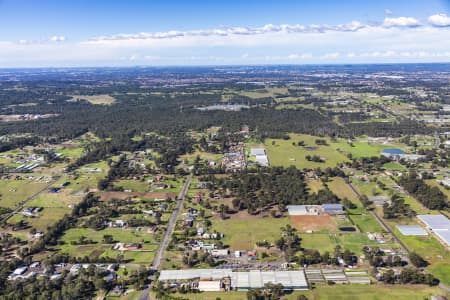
347, 229
393, 151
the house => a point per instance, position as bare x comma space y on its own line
333, 209
188, 222
110, 277
303, 210
117, 224
202, 185
20, 271
219, 252
161, 186
54, 190
133, 246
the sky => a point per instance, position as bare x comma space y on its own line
63, 33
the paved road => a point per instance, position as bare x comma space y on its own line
21, 205
170, 227
387, 228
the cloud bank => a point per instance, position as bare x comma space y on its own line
394, 39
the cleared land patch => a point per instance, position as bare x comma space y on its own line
313, 223
96, 99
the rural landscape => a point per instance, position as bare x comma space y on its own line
205, 150
255, 185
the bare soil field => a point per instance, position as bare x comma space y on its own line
313, 223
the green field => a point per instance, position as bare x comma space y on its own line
133, 185
123, 235
326, 242
340, 292
15, 191
341, 189
242, 234
283, 153
366, 223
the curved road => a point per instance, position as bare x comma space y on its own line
170, 227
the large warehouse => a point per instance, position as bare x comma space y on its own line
241, 281
291, 280
439, 224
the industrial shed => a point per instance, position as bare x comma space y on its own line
209, 274
257, 151
439, 224
333, 209
411, 230
435, 222
291, 280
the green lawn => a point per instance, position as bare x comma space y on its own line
326, 242
283, 153
242, 234
133, 185
15, 191
341, 189
340, 292
123, 235
366, 223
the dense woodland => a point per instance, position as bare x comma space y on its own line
430, 197
270, 186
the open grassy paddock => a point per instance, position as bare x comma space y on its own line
244, 231
97, 99
15, 191
340, 292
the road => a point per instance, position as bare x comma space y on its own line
387, 228
381, 221
170, 227
21, 205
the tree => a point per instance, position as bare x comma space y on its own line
417, 260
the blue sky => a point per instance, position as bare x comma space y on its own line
125, 33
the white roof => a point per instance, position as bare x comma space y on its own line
241, 280
257, 279
444, 235
435, 222
209, 286
297, 210
411, 230
262, 160
257, 151
212, 274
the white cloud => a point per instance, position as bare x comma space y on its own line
230, 31
57, 38
331, 56
401, 22
388, 12
440, 20
394, 40
299, 56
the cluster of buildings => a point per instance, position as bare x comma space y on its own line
398, 154
315, 210
31, 211
229, 280
234, 159
38, 269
